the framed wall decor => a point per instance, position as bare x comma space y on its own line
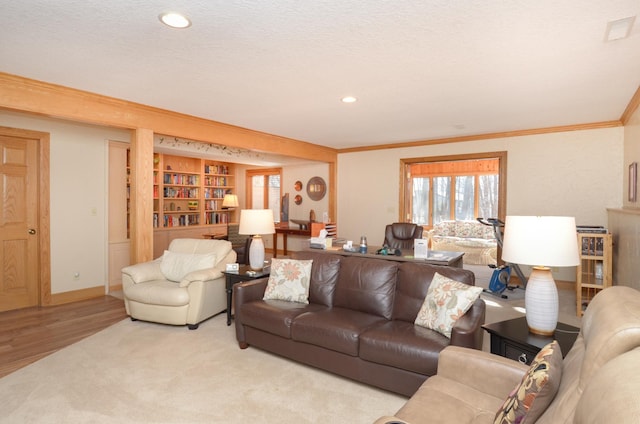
633, 182
316, 188
298, 185
298, 199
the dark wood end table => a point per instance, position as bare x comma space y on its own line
235, 277
512, 339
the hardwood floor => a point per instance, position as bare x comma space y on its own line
29, 334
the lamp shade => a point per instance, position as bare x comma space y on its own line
540, 241
230, 201
256, 221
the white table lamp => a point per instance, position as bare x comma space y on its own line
543, 242
256, 222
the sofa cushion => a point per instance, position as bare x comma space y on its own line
403, 345
324, 275
367, 285
446, 301
274, 316
337, 329
534, 394
289, 280
413, 283
176, 265
158, 292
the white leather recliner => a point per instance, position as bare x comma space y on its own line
184, 286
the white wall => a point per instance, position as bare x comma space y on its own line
573, 173
302, 173
78, 198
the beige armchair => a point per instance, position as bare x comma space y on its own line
185, 286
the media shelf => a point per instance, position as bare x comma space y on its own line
594, 271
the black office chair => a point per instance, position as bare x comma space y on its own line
400, 235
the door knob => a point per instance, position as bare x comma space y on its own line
32, 231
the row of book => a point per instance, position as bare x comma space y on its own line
216, 181
180, 193
216, 169
214, 193
217, 218
181, 179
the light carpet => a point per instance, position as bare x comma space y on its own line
137, 372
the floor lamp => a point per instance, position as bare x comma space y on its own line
543, 242
256, 222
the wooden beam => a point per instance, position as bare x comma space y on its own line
141, 168
22, 94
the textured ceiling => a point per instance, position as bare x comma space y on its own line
421, 69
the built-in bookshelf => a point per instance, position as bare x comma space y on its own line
189, 192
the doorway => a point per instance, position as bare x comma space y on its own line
25, 277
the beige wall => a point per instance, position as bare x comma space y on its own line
625, 223
78, 203
573, 173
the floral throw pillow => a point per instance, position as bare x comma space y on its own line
289, 280
529, 399
446, 301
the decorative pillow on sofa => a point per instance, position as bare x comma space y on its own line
446, 301
175, 266
289, 280
529, 399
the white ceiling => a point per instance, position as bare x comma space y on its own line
421, 69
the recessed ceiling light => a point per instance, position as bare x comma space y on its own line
349, 99
174, 20
619, 29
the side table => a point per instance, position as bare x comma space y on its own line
234, 277
512, 339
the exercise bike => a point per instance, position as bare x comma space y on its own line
501, 274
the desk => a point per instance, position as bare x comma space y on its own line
215, 236
286, 231
435, 257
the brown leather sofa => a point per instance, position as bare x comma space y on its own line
600, 379
359, 322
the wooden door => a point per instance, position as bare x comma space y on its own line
19, 255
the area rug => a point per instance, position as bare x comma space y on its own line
137, 372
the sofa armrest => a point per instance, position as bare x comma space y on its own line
246, 292
144, 271
483, 371
200, 275
467, 331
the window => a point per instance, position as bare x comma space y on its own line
264, 191
453, 188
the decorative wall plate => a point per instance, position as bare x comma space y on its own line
298, 185
298, 199
316, 188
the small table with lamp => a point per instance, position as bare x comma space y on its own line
512, 339
244, 273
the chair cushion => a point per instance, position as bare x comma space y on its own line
289, 280
529, 399
158, 292
175, 265
446, 301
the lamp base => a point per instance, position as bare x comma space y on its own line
256, 253
541, 302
